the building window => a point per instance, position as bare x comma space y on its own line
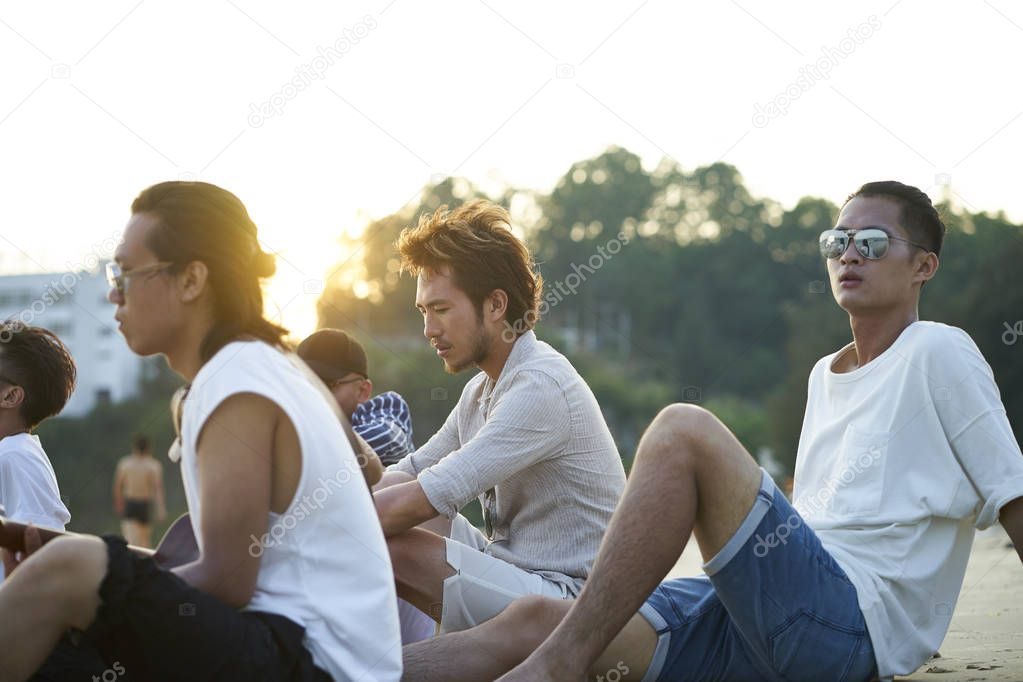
103, 396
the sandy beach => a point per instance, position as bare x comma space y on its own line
985, 640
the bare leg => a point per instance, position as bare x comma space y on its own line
420, 563
688, 462
128, 530
54, 589
488, 650
133, 532
413, 625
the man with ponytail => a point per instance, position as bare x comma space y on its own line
293, 579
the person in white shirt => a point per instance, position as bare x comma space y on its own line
905, 450
292, 580
37, 377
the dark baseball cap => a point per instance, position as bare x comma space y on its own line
332, 354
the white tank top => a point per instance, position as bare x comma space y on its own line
324, 563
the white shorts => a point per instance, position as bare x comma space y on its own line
483, 586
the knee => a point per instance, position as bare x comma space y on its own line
684, 423
529, 619
407, 554
69, 570
685, 418
398, 548
63, 554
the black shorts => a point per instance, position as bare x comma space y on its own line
153, 626
136, 510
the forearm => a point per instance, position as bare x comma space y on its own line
372, 468
392, 477
216, 583
403, 506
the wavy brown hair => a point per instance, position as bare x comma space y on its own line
476, 243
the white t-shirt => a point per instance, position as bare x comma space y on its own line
324, 562
28, 486
899, 460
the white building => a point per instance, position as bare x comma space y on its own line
74, 306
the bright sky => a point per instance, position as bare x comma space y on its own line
98, 103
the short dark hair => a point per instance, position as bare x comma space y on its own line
35, 359
333, 354
476, 242
141, 443
198, 221
916, 212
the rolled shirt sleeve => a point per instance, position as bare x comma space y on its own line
971, 412
528, 423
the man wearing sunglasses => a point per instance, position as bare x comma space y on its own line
905, 450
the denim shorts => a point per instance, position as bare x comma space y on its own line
774, 605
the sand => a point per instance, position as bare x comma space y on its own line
985, 639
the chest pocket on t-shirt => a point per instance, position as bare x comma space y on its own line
858, 475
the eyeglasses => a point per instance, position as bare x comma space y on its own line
118, 279
871, 242
341, 382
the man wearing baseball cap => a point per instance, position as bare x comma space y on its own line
384, 421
